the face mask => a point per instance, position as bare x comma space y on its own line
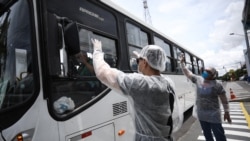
205, 74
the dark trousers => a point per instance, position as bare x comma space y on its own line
217, 129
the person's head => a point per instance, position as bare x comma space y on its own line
209, 73
80, 56
151, 58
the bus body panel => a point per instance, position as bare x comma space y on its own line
118, 129
97, 116
106, 132
185, 91
102, 121
36, 121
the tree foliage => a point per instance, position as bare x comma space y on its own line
234, 74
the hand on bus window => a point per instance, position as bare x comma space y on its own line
97, 44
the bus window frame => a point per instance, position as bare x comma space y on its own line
85, 105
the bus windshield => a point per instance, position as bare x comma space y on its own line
16, 79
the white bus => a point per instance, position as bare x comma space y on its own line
43, 94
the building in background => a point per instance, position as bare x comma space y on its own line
246, 27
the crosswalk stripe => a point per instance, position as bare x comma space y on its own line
238, 133
229, 132
235, 111
202, 138
238, 121
235, 126
238, 117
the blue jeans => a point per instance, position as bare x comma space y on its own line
217, 129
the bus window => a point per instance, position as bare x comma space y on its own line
166, 48
187, 58
136, 36
196, 69
137, 39
16, 73
144, 39
179, 52
200, 66
80, 83
188, 61
176, 53
109, 49
81, 63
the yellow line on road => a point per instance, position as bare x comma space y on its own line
247, 116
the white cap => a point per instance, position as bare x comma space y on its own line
154, 55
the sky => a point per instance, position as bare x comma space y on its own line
201, 26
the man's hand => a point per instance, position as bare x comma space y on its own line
227, 117
97, 44
182, 58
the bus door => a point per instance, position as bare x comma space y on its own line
19, 79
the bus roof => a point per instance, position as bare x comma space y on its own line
128, 14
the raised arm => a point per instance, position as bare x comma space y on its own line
186, 71
103, 71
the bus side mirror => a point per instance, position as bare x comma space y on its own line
71, 38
